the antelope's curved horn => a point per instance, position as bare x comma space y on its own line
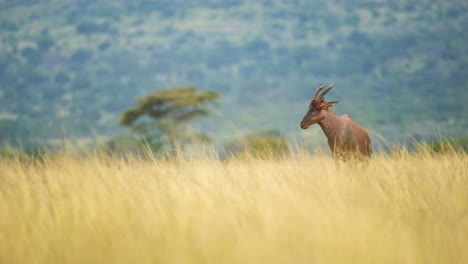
317, 91
327, 90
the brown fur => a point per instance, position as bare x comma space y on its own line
346, 139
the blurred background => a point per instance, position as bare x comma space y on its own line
69, 69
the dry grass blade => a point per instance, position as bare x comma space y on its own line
401, 208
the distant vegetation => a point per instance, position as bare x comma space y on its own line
69, 68
269, 143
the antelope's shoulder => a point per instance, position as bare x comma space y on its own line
347, 123
346, 117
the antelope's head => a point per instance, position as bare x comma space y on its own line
318, 107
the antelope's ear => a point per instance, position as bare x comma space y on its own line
330, 104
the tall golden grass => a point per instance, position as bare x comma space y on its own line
401, 208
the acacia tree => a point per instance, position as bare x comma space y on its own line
163, 116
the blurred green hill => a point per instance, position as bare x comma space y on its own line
72, 67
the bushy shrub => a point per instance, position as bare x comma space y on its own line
269, 143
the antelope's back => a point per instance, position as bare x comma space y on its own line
364, 143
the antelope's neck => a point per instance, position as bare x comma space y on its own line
331, 125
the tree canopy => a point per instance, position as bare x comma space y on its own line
164, 115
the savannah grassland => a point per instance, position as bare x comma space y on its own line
402, 208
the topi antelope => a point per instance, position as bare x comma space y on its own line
346, 139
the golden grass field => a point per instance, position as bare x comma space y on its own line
401, 208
